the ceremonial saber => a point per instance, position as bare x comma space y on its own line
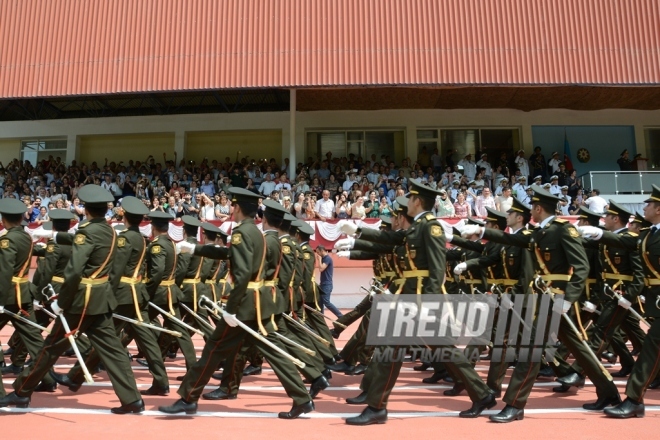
313, 310
514, 312
71, 338
295, 344
38, 306
297, 362
146, 325
306, 329
197, 317
538, 282
25, 320
176, 320
630, 309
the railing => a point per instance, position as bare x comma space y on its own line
621, 182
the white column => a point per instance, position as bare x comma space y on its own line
180, 144
292, 134
72, 148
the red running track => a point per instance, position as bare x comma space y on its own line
416, 410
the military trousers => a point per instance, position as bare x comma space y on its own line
146, 341
102, 334
647, 367
185, 341
227, 341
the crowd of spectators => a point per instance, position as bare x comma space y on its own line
324, 189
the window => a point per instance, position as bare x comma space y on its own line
361, 143
37, 150
653, 148
460, 141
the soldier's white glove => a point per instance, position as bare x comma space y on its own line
566, 306
345, 243
230, 319
624, 303
460, 268
642, 298
184, 247
470, 230
41, 245
56, 308
590, 232
37, 305
42, 233
588, 306
2, 309
344, 254
348, 228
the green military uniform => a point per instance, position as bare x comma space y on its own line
16, 292
310, 292
423, 268
247, 253
270, 303
622, 270
559, 256
191, 272
163, 290
126, 279
647, 366
87, 300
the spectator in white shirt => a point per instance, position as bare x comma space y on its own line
488, 170
522, 164
469, 167
520, 188
348, 183
553, 163
504, 202
483, 201
555, 189
267, 186
596, 203
325, 207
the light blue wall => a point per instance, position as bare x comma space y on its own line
605, 144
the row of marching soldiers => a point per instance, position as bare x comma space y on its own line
104, 288
602, 279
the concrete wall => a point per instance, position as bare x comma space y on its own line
408, 120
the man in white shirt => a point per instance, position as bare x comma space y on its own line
555, 189
520, 188
554, 162
538, 180
348, 183
521, 163
504, 183
488, 170
267, 186
596, 203
484, 200
504, 202
325, 207
469, 167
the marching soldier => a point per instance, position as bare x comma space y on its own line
271, 304
15, 290
247, 254
126, 280
86, 300
162, 288
648, 245
622, 270
423, 269
559, 256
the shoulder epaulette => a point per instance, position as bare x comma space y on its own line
430, 216
284, 240
82, 225
645, 229
560, 220
632, 234
526, 232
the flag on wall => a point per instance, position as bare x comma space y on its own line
567, 154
